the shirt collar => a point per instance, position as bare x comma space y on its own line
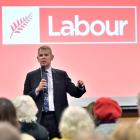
49, 70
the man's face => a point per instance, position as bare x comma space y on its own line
45, 57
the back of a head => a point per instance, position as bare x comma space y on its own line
26, 108
9, 132
107, 109
25, 136
138, 103
8, 112
126, 131
74, 122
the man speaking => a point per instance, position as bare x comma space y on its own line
49, 87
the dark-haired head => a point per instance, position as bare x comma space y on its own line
8, 112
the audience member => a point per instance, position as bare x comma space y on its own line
106, 111
8, 112
126, 131
26, 113
25, 136
76, 124
138, 106
9, 132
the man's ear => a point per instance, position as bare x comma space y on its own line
37, 58
52, 56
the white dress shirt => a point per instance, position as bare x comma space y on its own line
50, 89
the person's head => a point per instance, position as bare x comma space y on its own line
138, 103
45, 56
126, 131
76, 123
9, 132
25, 136
8, 112
106, 110
26, 108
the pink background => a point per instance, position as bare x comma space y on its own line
107, 69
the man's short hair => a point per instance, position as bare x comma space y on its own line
45, 47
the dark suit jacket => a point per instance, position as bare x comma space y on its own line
61, 84
34, 129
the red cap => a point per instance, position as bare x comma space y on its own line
107, 109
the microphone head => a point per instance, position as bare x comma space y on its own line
43, 73
43, 68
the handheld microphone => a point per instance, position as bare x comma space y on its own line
43, 73
44, 76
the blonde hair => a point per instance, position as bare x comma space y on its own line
26, 108
25, 136
60, 139
75, 120
126, 131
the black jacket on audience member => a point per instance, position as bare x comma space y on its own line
34, 129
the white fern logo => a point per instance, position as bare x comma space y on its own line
20, 24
